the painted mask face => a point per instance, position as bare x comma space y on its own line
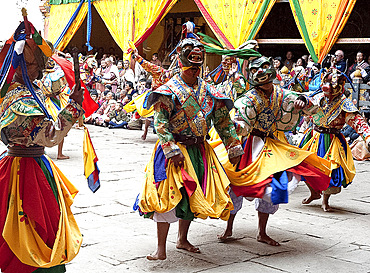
226, 63
261, 71
332, 83
91, 62
191, 53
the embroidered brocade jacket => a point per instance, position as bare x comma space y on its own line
337, 113
267, 114
22, 121
188, 111
232, 88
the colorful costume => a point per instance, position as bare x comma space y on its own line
325, 138
54, 85
38, 228
183, 117
268, 164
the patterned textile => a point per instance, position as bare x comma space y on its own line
320, 23
180, 111
22, 121
159, 74
200, 188
268, 114
256, 111
333, 147
37, 226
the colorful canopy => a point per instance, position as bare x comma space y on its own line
320, 22
233, 21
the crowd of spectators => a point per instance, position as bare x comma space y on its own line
116, 83
302, 74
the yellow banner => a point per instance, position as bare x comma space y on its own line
118, 17
59, 17
320, 23
235, 21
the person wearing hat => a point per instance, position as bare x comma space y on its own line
38, 230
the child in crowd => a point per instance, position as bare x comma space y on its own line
118, 117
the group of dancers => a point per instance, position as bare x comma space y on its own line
247, 156
203, 165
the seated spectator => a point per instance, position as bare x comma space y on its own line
299, 67
285, 76
339, 62
118, 117
289, 60
141, 87
129, 88
349, 133
103, 119
128, 74
120, 96
110, 74
358, 146
136, 122
358, 65
94, 95
316, 80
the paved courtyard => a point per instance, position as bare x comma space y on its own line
116, 239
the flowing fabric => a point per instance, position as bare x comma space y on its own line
88, 104
320, 23
336, 150
91, 169
275, 157
138, 104
183, 187
118, 17
147, 14
235, 21
38, 227
59, 17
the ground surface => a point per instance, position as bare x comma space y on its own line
116, 239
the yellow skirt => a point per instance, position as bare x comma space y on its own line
337, 156
212, 201
35, 230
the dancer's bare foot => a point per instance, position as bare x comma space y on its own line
187, 246
143, 137
326, 208
313, 196
61, 157
156, 256
226, 236
267, 240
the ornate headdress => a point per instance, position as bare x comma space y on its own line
11, 56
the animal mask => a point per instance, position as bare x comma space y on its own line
261, 71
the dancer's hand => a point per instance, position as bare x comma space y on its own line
235, 160
299, 104
178, 160
77, 95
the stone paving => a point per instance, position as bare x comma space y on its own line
116, 239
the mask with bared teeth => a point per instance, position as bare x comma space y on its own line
191, 53
261, 71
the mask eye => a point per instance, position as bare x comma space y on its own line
265, 66
253, 70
